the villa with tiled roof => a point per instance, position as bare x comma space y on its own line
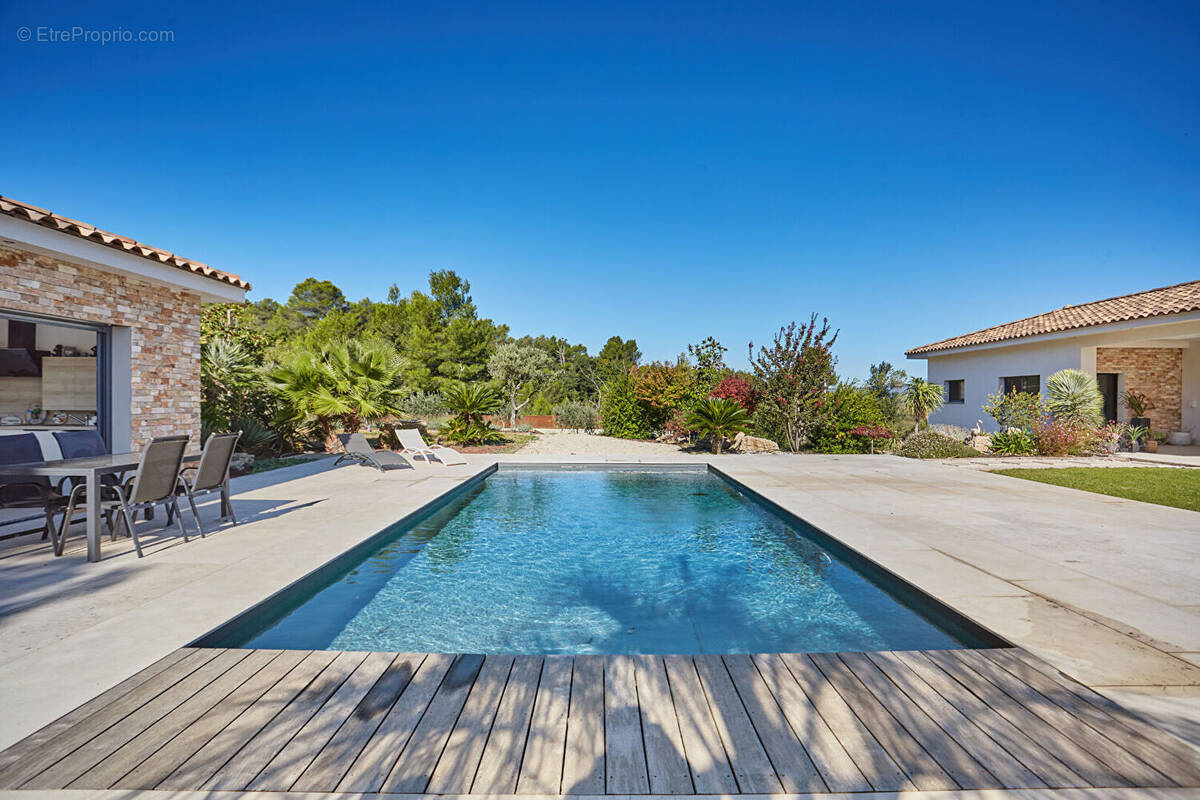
1147, 342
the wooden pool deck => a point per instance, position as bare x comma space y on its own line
326, 721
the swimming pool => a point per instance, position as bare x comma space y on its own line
596, 560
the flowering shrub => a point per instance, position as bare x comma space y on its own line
795, 372
665, 392
739, 390
847, 406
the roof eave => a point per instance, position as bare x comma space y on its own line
89, 252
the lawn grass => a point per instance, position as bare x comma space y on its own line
1162, 485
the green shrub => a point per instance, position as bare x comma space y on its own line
622, 414
577, 415
1022, 410
467, 432
424, 405
849, 407
1014, 442
927, 444
524, 427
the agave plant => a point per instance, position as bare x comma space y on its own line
921, 398
338, 384
1073, 396
718, 418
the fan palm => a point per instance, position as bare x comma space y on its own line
718, 418
338, 384
1073, 396
921, 398
470, 402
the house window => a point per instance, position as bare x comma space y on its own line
954, 391
1023, 383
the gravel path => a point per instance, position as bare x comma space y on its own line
571, 444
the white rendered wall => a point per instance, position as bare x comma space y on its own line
981, 373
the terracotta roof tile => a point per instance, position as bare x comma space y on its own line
1178, 299
40, 216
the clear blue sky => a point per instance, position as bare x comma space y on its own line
667, 172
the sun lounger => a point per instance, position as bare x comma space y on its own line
412, 444
359, 449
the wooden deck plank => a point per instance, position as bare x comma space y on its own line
788, 756
542, 766
123, 760
624, 753
244, 767
376, 760
289, 763
666, 764
334, 760
420, 756
837, 768
500, 763
1186, 752
200, 767
174, 753
645, 724
868, 754
1094, 771
747, 758
1135, 771
37, 741
84, 758
1153, 747
1041, 762
55, 747
921, 768
583, 763
455, 771
966, 771
702, 746
1009, 772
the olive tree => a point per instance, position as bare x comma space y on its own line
520, 370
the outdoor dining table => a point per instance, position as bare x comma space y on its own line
91, 469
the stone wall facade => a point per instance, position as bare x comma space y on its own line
1156, 372
164, 325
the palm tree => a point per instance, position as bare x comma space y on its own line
921, 398
470, 402
1073, 396
718, 418
337, 384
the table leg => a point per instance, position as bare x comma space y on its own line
93, 516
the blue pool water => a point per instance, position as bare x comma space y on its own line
603, 561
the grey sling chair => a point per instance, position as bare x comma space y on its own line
155, 482
359, 449
212, 475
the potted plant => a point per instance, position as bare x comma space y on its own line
1150, 442
1135, 434
1138, 404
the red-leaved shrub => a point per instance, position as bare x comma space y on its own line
739, 390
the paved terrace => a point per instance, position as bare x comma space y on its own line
1101, 588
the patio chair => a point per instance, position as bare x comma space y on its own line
212, 475
412, 444
23, 448
155, 482
359, 449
